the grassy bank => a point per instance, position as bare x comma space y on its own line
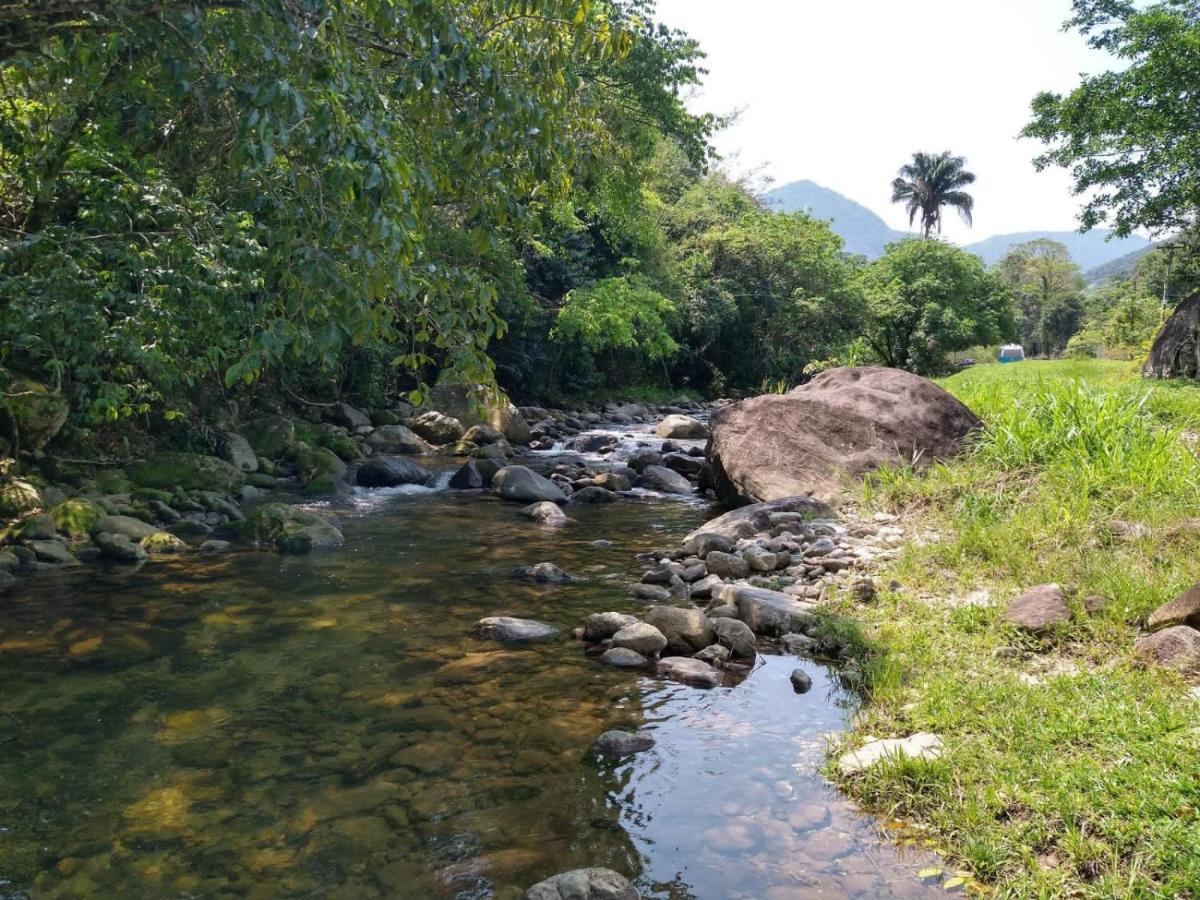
1070, 770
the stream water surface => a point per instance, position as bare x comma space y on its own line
329, 726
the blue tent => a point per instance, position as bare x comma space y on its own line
1011, 353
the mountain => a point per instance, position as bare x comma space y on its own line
863, 231
1120, 267
866, 233
1089, 250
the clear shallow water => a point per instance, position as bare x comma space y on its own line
328, 726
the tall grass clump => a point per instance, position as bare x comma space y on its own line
1097, 439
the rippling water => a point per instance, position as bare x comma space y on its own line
328, 726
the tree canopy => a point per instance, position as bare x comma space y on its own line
931, 181
1131, 137
1047, 288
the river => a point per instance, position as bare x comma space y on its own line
264, 726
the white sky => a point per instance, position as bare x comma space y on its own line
842, 92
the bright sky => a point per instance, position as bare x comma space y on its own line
842, 92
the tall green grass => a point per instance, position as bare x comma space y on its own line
1070, 768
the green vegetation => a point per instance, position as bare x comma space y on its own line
931, 181
926, 298
1070, 767
1128, 137
1048, 289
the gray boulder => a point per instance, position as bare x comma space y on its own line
116, 546
545, 512
737, 636
623, 658
593, 495
726, 565
126, 526
475, 475
236, 451
601, 626
397, 439
382, 470
525, 485
437, 428
768, 612
665, 481
681, 428
685, 630
641, 638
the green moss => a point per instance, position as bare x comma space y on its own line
189, 471
162, 542
112, 481
320, 469
39, 412
270, 436
75, 518
18, 498
340, 443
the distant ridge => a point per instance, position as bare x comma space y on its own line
863, 231
867, 233
1121, 267
1089, 249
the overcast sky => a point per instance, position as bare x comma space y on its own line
842, 92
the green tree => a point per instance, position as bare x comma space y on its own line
1047, 288
931, 181
926, 298
1131, 137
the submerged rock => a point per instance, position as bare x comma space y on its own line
545, 512
507, 628
290, 529
544, 572
622, 743
583, 884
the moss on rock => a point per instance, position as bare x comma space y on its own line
39, 412
270, 436
75, 518
18, 498
190, 471
290, 529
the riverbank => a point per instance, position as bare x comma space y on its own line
1069, 764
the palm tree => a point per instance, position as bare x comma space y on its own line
931, 181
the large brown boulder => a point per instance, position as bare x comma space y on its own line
1176, 350
819, 437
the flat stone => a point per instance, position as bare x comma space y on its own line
1039, 610
1183, 610
689, 671
507, 628
622, 743
623, 658
768, 612
51, 552
922, 745
1177, 647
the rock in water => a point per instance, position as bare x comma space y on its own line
583, 884
801, 683
544, 572
507, 628
603, 625
290, 529
474, 475
643, 639
520, 483
841, 425
624, 658
622, 743
695, 672
390, 471
665, 481
545, 512
682, 427
437, 428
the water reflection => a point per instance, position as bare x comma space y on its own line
264, 726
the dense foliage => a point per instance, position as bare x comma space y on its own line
1131, 137
926, 298
1047, 288
196, 195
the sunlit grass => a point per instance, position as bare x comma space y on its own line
1070, 770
